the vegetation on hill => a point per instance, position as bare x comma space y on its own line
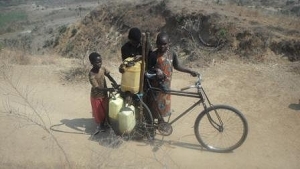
201, 32
195, 34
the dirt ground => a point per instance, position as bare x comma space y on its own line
268, 96
35, 99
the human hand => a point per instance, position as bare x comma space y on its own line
138, 57
163, 87
194, 74
160, 74
121, 69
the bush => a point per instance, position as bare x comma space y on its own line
74, 31
62, 29
78, 74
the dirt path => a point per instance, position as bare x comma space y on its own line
268, 95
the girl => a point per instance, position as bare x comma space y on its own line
162, 61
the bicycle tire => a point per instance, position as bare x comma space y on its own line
145, 124
233, 132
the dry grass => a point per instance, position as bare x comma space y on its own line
26, 110
108, 33
23, 58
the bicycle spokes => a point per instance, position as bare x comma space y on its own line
215, 120
221, 128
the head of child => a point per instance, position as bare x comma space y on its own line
96, 60
162, 42
134, 36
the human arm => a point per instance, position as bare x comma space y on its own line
178, 67
137, 53
114, 83
151, 65
137, 58
123, 52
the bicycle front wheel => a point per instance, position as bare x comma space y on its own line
221, 128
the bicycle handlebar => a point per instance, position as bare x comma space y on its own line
196, 85
115, 87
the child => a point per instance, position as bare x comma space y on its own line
133, 47
99, 96
162, 61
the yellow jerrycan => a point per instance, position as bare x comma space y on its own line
114, 106
130, 80
127, 119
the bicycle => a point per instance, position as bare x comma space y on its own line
218, 128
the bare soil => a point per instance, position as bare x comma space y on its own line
268, 96
35, 99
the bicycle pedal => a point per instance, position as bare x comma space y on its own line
165, 128
95, 133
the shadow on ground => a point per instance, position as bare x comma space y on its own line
109, 139
81, 125
294, 106
87, 126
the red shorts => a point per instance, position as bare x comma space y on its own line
99, 109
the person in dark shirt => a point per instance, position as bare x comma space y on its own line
133, 47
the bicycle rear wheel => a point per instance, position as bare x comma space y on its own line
145, 124
221, 128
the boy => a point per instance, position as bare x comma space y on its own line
99, 96
133, 47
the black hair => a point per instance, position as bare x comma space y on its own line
93, 56
135, 34
162, 35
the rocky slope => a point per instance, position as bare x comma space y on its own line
198, 29
201, 31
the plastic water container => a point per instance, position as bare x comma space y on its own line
130, 80
114, 107
127, 119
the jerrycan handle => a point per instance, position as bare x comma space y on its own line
127, 105
114, 96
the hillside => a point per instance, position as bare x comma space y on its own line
201, 31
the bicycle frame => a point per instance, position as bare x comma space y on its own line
185, 94
199, 94
149, 124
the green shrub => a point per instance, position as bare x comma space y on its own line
68, 48
77, 74
74, 31
62, 29
222, 33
